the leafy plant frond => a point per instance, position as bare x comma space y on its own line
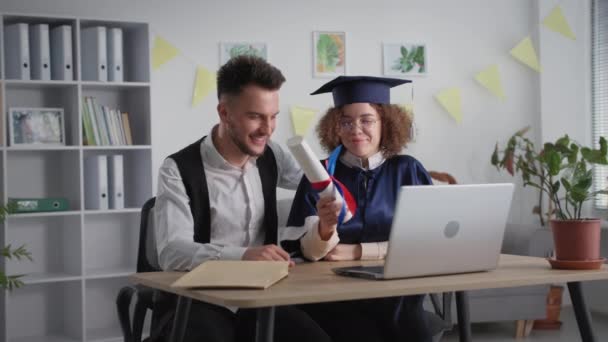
563, 166
11, 282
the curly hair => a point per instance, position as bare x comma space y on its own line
244, 70
396, 123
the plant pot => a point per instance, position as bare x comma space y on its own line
576, 240
554, 306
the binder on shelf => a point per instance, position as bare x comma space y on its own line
17, 51
93, 120
96, 182
40, 52
88, 132
116, 181
102, 129
35, 205
123, 136
127, 127
108, 124
115, 55
61, 53
94, 54
117, 126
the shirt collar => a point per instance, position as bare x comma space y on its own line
213, 158
351, 160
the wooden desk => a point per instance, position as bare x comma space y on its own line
315, 282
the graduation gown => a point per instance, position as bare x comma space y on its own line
375, 192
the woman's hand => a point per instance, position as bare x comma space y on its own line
344, 252
328, 210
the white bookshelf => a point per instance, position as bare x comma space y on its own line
82, 257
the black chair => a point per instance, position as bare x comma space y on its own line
132, 327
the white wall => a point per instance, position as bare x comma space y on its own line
463, 37
565, 98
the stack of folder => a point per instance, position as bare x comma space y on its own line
41, 52
102, 54
104, 186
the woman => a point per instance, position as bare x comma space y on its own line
365, 133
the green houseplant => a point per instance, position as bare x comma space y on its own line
11, 281
561, 171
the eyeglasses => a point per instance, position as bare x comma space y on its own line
364, 124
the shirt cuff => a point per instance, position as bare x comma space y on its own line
232, 253
373, 250
313, 247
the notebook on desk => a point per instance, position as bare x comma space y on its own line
443, 229
234, 274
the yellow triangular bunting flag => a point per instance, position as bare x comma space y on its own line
556, 21
450, 100
203, 85
490, 79
162, 52
302, 118
525, 53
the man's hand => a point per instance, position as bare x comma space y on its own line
344, 252
267, 252
328, 210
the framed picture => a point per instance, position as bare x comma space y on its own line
35, 126
329, 58
230, 49
406, 59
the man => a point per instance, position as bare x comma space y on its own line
217, 200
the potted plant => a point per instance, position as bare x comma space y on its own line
11, 281
561, 171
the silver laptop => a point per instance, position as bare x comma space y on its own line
443, 229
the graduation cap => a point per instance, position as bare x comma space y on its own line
356, 89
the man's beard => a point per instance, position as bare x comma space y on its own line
240, 144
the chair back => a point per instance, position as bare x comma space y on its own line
442, 177
147, 257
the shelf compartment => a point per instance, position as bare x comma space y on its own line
46, 312
52, 22
41, 174
52, 94
101, 322
132, 100
136, 44
111, 245
137, 175
55, 246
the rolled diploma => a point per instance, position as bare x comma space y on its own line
314, 170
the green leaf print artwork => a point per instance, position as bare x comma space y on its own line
330, 52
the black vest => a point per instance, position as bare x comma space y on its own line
190, 165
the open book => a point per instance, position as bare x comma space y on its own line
234, 274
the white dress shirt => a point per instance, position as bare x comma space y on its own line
237, 209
